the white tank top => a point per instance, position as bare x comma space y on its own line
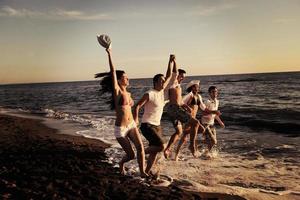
153, 109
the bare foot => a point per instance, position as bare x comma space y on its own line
144, 175
196, 154
155, 175
167, 153
192, 149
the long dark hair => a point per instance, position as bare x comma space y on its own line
107, 85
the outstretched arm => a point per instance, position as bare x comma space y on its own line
169, 70
175, 70
138, 106
113, 73
173, 79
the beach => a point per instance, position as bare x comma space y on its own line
57, 142
38, 162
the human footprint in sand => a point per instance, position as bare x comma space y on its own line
153, 102
194, 100
179, 112
126, 131
208, 119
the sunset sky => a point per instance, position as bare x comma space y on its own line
55, 40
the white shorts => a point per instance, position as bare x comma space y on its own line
122, 131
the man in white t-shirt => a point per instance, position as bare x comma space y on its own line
208, 119
153, 102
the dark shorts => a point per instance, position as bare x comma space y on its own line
152, 133
178, 114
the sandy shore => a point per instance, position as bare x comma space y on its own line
38, 163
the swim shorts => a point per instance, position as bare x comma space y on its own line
152, 133
178, 114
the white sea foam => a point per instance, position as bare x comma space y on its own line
97, 128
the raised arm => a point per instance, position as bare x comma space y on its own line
138, 106
113, 73
175, 70
169, 71
173, 79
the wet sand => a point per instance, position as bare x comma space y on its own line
38, 163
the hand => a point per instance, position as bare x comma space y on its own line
172, 57
218, 112
108, 50
222, 125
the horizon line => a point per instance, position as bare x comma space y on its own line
72, 81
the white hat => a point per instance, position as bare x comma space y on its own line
191, 83
104, 41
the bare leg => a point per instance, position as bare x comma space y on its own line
194, 130
135, 137
153, 151
213, 138
182, 141
172, 140
126, 145
151, 160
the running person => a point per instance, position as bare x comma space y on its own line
179, 112
194, 101
116, 82
153, 102
208, 119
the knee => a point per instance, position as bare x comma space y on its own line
178, 131
195, 123
161, 148
184, 139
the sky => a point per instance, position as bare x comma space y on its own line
55, 40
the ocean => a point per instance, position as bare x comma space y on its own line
261, 113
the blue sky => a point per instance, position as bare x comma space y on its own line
44, 41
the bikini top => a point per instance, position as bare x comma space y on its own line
126, 100
195, 100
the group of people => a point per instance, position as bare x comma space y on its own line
165, 94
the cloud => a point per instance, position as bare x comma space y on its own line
11, 12
209, 10
57, 14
